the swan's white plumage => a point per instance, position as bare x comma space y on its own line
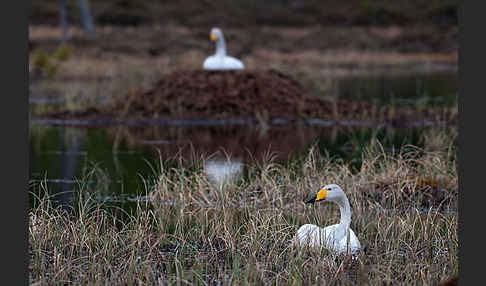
339, 238
315, 236
220, 61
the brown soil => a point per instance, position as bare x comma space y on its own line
245, 94
221, 94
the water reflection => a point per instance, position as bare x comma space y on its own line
61, 154
241, 141
64, 160
221, 170
430, 89
69, 150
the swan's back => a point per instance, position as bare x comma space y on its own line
315, 237
222, 63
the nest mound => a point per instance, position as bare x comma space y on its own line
201, 94
243, 94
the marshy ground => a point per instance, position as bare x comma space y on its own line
187, 230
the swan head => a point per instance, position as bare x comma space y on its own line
330, 192
215, 34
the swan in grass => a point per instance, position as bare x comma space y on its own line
220, 61
338, 238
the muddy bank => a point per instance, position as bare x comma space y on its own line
260, 96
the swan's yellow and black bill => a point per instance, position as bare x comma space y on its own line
212, 37
321, 195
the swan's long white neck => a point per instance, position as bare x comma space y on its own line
345, 211
220, 46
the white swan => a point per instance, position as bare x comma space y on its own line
338, 238
220, 61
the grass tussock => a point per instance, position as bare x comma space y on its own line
192, 231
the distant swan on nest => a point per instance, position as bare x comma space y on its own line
220, 61
338, 238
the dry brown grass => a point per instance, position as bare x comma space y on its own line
194, 232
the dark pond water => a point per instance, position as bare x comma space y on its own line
422, 89
63, 158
